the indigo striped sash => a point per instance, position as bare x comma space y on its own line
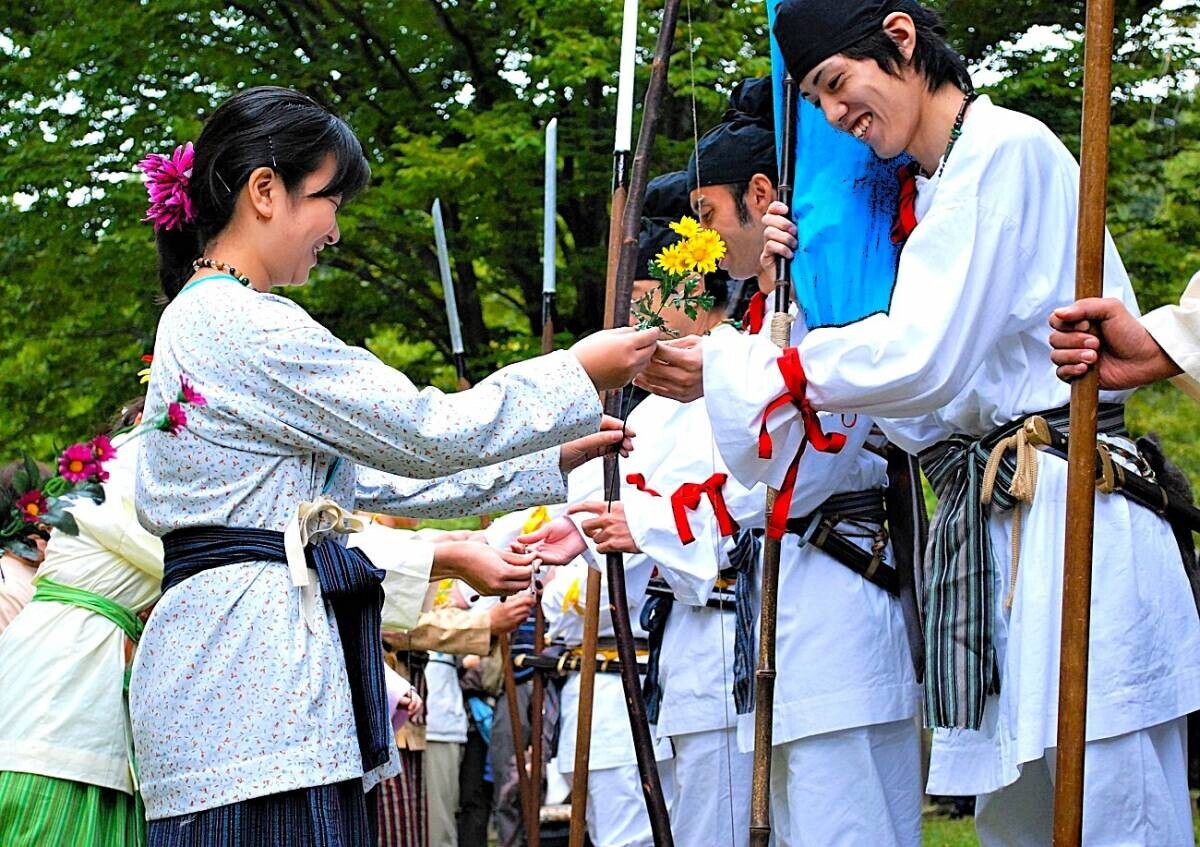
960, 566
746, 549
352, 587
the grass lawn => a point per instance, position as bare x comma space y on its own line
941, 831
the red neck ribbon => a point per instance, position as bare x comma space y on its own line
756, 314
638, 481
688, 497
906, 214
796, 395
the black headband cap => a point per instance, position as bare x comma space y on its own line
810, 31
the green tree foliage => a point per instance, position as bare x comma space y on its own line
450, 98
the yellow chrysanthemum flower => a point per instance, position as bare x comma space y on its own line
675, 259
687, 227
706, 249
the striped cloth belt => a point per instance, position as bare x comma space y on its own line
351, 585
960, 609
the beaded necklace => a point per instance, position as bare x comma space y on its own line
221, 267
955, 133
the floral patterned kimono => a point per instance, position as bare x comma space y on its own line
236, 695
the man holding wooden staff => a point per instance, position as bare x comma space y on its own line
1165, 344
957, 370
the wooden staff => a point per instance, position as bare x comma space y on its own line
591, 611
764, 674
624, 226
524, 789
1081, 457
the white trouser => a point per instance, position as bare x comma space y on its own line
711, 799
859, 787
1135, 793
616, 809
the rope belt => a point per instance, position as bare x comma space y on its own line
998, 471
351, 585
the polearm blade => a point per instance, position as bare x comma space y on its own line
549, 282
550, 235
1081, 452
443, 257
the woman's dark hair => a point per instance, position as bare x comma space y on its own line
127, 416
716, 285
932, 57
267, 126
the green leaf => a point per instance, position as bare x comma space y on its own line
56, 486
18, 547
61, 520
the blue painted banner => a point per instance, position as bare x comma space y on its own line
843, 202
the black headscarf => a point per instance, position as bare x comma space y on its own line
732, 152
753, 96
667, 197
810, 31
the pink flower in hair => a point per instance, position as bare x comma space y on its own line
167, 179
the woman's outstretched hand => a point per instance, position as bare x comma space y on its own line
486, 569
612, 358
613, 436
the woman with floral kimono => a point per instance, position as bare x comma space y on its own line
256, 693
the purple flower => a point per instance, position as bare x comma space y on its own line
167, 179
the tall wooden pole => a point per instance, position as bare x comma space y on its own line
624, 227
764, 674
591, 613
524, 788
1081, 458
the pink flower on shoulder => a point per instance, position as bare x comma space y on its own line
32, 505
77, 463
102, 448
174, 420
188, 394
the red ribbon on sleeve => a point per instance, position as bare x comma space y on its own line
687, 498
797, 395
638, 481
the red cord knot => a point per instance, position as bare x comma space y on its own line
796, 395
638, 481
687, 498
